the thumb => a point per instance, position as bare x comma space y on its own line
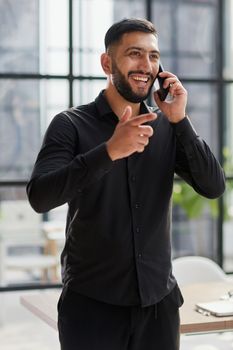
126, 114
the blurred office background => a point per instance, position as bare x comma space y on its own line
49, 60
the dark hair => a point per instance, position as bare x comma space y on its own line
127, 25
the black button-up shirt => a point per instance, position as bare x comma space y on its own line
118, 247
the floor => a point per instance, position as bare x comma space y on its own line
20, 330
221, 341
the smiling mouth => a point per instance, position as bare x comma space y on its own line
144, 79
140, 78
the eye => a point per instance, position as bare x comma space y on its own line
154, 57
135, 53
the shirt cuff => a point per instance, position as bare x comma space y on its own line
98, 160
185, 131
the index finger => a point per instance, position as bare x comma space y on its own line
143, 118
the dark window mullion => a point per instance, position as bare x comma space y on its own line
221, 112
70, 21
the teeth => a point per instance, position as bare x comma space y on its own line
141, 79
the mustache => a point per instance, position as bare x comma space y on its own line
151, 76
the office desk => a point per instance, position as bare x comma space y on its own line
194, 322
44, 304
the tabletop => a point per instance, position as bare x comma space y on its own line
44, 306
191, 320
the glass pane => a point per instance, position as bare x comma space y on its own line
27, 253
228, 40
129, 9
54, 37
22, 103
89, 35
54, 99
38, 40
228, 132
87, 90
194, 230
187, 36
19, 36
19, 127
228, 228
204, 113
161, 18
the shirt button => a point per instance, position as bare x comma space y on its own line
139, 255
137, 229
137, 205
133, 178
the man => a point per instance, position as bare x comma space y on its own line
113, 162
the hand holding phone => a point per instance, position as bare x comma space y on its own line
162, 92
175, 108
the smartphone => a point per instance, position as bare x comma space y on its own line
162, 92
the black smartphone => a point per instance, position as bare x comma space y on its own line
162, 92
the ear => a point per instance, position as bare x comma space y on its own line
106, 63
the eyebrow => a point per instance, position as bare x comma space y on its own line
141, 49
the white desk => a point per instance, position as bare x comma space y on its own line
44, 306
194, 322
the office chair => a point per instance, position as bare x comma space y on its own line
195, 269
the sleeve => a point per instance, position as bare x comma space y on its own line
195, 162
60, 173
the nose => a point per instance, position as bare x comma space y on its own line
146, 64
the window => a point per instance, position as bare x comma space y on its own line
49, 60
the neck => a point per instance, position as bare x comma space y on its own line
118, 103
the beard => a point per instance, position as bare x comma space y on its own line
124, 88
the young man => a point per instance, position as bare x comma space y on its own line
113, 162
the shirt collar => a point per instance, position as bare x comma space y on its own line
102, 105
104, 108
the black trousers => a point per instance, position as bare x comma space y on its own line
87, 324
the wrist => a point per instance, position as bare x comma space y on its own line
177, 119
111, 151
